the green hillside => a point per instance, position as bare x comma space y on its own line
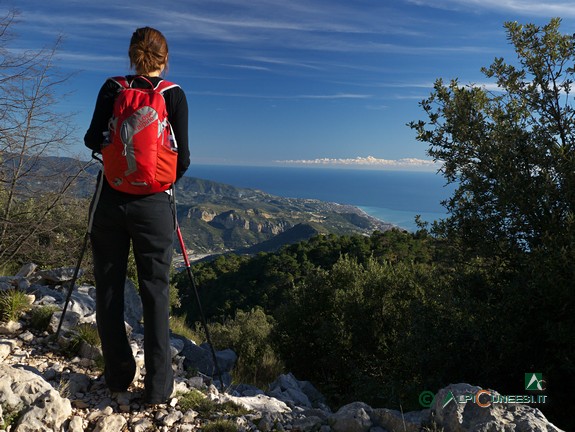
216, 218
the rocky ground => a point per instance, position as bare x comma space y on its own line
44, 388
84, 402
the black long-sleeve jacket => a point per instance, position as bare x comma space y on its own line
177, 107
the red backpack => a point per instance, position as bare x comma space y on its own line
141, 154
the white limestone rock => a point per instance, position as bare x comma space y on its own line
42, 407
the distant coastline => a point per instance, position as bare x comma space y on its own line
401, 218
389, 195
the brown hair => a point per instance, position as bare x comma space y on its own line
148, 50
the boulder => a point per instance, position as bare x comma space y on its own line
294, 392
456, 410
59, 275
392, 420
226, 359
200, 358
197, 358
41, 407
260, 403
307, 424
81, 302
26, 270
71, 320
354, 417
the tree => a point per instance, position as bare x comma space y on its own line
31, 129
510, 150
511, 153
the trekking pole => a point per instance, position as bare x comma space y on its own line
93, 204
202, 316
73, 282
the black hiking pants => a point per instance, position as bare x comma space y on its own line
148, 223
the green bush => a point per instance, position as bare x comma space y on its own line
40, 317
84, 333
220, 425
13, 303
10, 416
206, 407
352, 330
249, 335
197, 401
179, 326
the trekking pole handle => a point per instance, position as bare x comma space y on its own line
95, 155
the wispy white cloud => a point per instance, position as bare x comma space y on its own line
560, 8
284, 97
377, 107
369, 161
297, 23
284, 62
258, 27
335, 96
249, 67
90, 58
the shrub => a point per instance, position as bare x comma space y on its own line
178, 325
220, 425
87, 333
10, 416
197, 401
13, 303
40, 317
249, 335
265, 370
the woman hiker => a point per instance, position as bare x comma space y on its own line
147, 221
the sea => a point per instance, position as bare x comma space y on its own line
390, 196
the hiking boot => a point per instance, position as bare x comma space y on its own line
123, 376
156, 400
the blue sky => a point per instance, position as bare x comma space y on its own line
310, 82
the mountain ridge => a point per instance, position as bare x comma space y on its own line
217, 218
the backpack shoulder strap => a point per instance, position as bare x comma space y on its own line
122, 81
164, 85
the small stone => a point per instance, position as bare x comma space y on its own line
160, 414
5, 350
96, 414
124, 398
108, 410
172, 418
104, 403
10, 327
76, 424
189, 416
196, 382
110, 423
23, 285
142, 425
80, 404
26, 270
